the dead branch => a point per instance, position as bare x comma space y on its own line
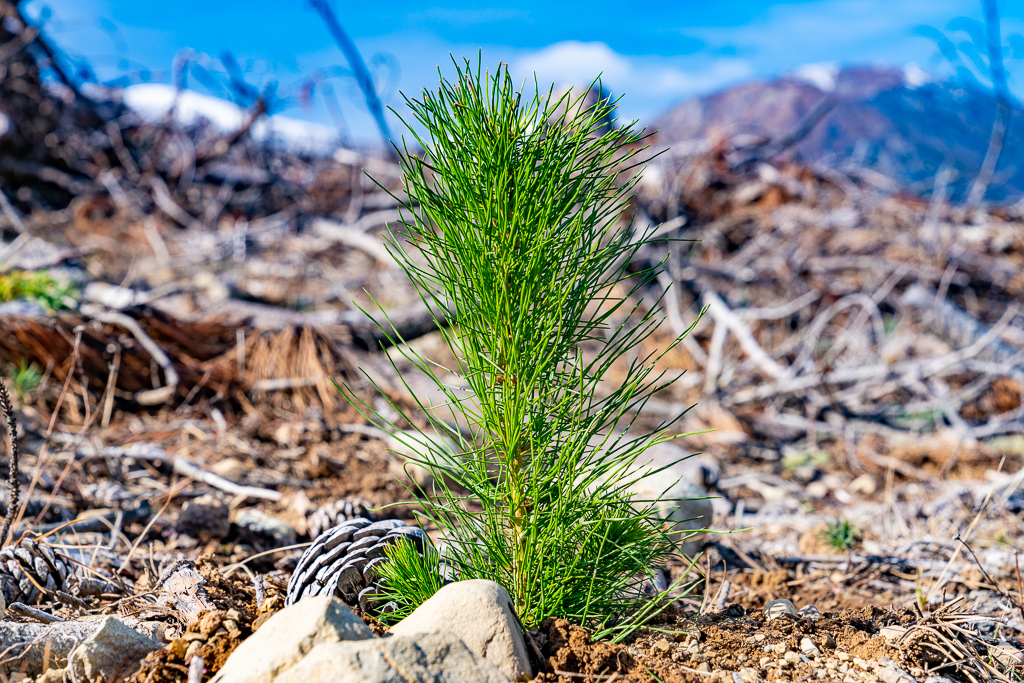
724, 316
152, 396
180, 465
13, 488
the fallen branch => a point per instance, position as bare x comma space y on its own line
181, 466
723, 315
149, 397
39, 615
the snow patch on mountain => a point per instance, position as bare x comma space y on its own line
155, 101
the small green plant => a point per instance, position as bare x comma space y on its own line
841, 535
792, 460
25, 378
410, 578
512, 228
36, 286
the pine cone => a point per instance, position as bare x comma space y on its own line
56, 510
107, 494
333, 514
29, 566
343, 562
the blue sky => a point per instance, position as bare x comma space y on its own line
656, 53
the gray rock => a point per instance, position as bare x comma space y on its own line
701, 471
424, 658
776, 608
1006, 654
206, 518
810, 613
111, 654
288, 636
479, 613
261, 527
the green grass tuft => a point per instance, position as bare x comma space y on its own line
25, 378
36, 286
841, 535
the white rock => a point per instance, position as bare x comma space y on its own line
892, 633
434, 657
865, 485
888, 672
701, 471
414, 446
111, 654
478, 612
288, 636
808, 647
776, 608
678, 500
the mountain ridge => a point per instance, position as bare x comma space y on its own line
889, 120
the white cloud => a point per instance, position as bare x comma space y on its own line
573, 62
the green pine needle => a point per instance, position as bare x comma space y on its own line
512, 227
408, 578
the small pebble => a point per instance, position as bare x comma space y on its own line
810, 613
782, 663
662, 645
821, 673
844, 667
749, 675
860, 663
741, 658
792, 657
1006, 654
764, 661
843, 657
776, 608
779, 648
704, 667
808, 647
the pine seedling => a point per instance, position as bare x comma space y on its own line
841, 535
25, 378
515, 231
